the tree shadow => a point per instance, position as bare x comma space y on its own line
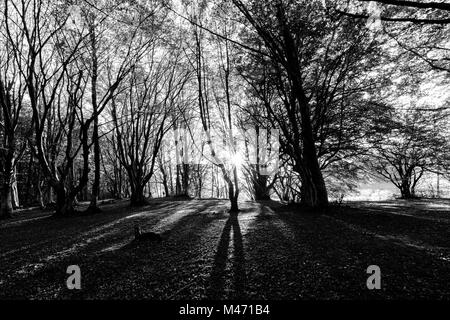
125, 260
217, 281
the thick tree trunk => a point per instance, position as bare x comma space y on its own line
6, 205
166, 188
64, 203
234, 205
406, 191
261, 191
137, 196
314, 191
234, 208
261, 196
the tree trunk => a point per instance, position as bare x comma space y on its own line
234, 205
178, 181
406, 192
314, 191
164, 179
166, 188
64, 203
233, 196
15, 203
6, 198
261, 191
6, 205
95, 137
96, 184
137, 196
30, 176
50, 196
41, 193
185, 179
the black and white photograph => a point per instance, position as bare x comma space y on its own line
224, 150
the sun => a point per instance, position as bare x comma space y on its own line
236, 159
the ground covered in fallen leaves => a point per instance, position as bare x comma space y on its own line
269, 251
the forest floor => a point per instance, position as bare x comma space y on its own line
269, 252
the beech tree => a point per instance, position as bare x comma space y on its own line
109, 31
411, 145
141, 117
50, 56
43, 53
13, 140
223, 101
314, 72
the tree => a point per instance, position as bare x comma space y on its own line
107, 69
411, 145
13, 146
44, 53
141, 117
224, 106
282, 44
50, 55
311, 78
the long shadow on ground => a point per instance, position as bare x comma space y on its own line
217, 280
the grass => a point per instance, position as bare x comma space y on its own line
269, 251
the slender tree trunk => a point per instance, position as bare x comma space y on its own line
164, 177
15, 202
177, 181
212, 181
200, 182
185, 179
93, 207
120, 184
171, 178
41, 193
29, 183
50, 196
96, 184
